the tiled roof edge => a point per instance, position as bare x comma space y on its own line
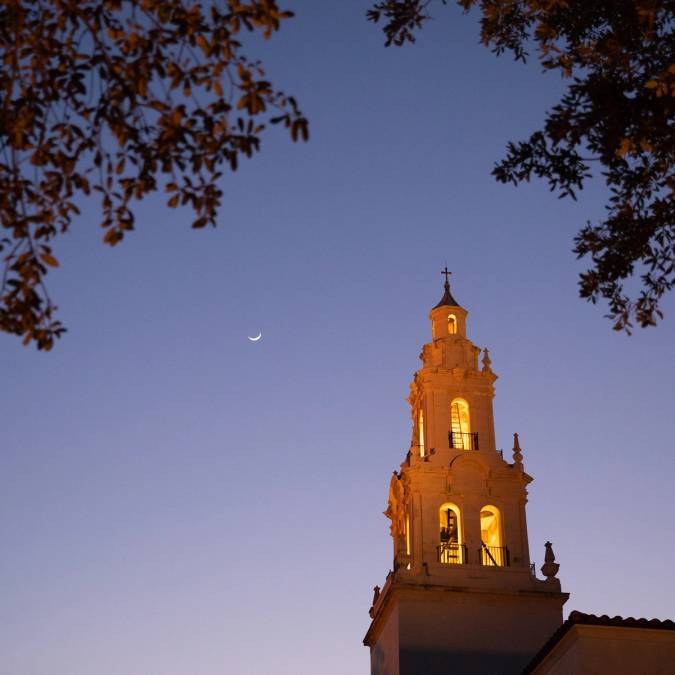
579, 618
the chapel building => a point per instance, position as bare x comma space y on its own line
462, 597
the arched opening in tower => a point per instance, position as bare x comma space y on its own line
460, 425
493, 551
451, 549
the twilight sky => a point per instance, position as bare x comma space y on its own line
176, 500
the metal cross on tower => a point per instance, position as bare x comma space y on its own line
447, 273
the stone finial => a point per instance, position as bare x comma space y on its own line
550, 567
517, 454
486, 360
376, 596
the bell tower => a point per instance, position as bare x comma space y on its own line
462, 596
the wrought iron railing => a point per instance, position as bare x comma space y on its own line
452, 553
463, 440
494, 556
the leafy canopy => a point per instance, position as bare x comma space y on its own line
121, 99
616, 115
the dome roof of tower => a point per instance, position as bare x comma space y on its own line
447, 299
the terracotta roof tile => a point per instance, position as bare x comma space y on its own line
576, 618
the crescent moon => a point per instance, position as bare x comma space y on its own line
256, 338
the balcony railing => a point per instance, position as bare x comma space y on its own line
494, 556
452, 554
463, 441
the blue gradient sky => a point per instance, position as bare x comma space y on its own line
175, 499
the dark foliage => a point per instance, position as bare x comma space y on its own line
121, 99
616, 116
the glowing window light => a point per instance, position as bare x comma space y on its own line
460, 423
407, 535
420, 432
448, 516
451, 550
491, 537
452, 324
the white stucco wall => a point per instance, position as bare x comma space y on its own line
599, 650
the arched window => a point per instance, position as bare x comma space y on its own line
451, 549
452, 324
493, 551
460, 425
420, 432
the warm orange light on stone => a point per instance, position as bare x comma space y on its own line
462, 595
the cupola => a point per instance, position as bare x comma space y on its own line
448, 319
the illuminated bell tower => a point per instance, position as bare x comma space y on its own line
462, 596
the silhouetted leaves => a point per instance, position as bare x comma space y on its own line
120, 99
617, 113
